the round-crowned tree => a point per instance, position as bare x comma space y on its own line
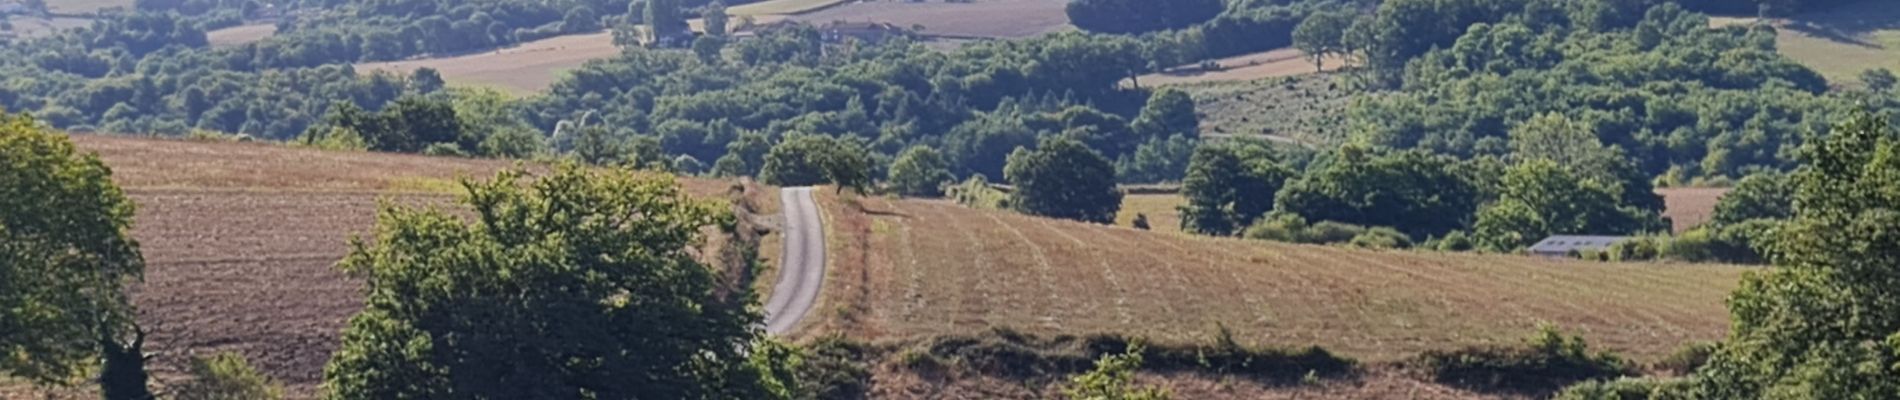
920, 171
1063, 178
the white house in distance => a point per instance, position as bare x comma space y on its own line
1570, 245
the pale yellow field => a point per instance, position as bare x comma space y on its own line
1842, 42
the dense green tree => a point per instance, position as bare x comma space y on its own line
1228, 187
1063, 178
920, 171
1168, 112
1416, 192
66, 254
1765, 195
805, 160
1322, 34
579, 284
716, 18
1825, 325
1157, 160
1540, 198
664, 18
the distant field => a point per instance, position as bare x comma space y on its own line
905, 268
1689, 207
1842, 42
1304, 108
1267, 64
979, 19
31, 27
84, 6
521, 69
1161, 209
240, 239
780, 7
241, 34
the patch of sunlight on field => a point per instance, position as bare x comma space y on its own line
1160, 209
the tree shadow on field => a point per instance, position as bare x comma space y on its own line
1849, 24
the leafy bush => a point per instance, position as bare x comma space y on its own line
1382, 238
1545, 363
1626, 389
1112, 379
1455, 241
227, 376
1687, 359
1327, 232
1643, 248
1004, 352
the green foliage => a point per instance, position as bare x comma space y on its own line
1418, 193
1824, 324
976, 192
1456, 241
1540, 198
1113, 379
336, 138
1157, 160
1006, 353
66, 254
227, 376
1626, 389
1879, 80
1381, 238
805, 160
920, 171
1687, 359
1229, 186
1169, 112
1546, 362
578, 284
1765, 195
1061, 178
1322, 34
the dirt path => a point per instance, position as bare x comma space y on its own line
802, 268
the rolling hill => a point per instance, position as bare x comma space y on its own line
912, 268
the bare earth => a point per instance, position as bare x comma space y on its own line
1267, 64
980, 19
241, 34
240, 239
905, 268
522, 69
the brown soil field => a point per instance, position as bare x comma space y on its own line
1689, 207
240, 239
1267, 64
906, 269
241, 34
979, 19
521, 69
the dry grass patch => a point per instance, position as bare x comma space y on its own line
1841, 42
1689, 207
1303, 109
240, 35
936, 269
1267, 64
84, 6
978, 19
34, 27
521, 69
780, 7
1161, 209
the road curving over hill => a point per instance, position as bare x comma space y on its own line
802, 267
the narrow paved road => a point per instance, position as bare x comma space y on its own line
802, 268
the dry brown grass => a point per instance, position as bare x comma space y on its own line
1161, 209
521, 69
979, 19
1246, 67
1689, 207
239, 240
241, 34
935, 268
1840, 42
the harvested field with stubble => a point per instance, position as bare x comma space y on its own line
521, 69
908, 268
1689, 207
240, 240
976, 19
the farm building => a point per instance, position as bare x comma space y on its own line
1569, 245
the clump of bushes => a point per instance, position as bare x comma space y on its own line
1293, 229
227, 376
1687, 359
1548, 361
1739, 243
1007, 353
976, 192
1626, 389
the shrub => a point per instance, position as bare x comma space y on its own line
976, 192
1278, 227
1547, 362
1382, 238
1327, 232
1627, 389
226, 376
444, 150
1643, 248
1687, 359
1007, 353
1455, 241
1113, 379
833, 368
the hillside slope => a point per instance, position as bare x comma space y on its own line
909, 268
240, 239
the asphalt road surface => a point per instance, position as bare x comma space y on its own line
802, 268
